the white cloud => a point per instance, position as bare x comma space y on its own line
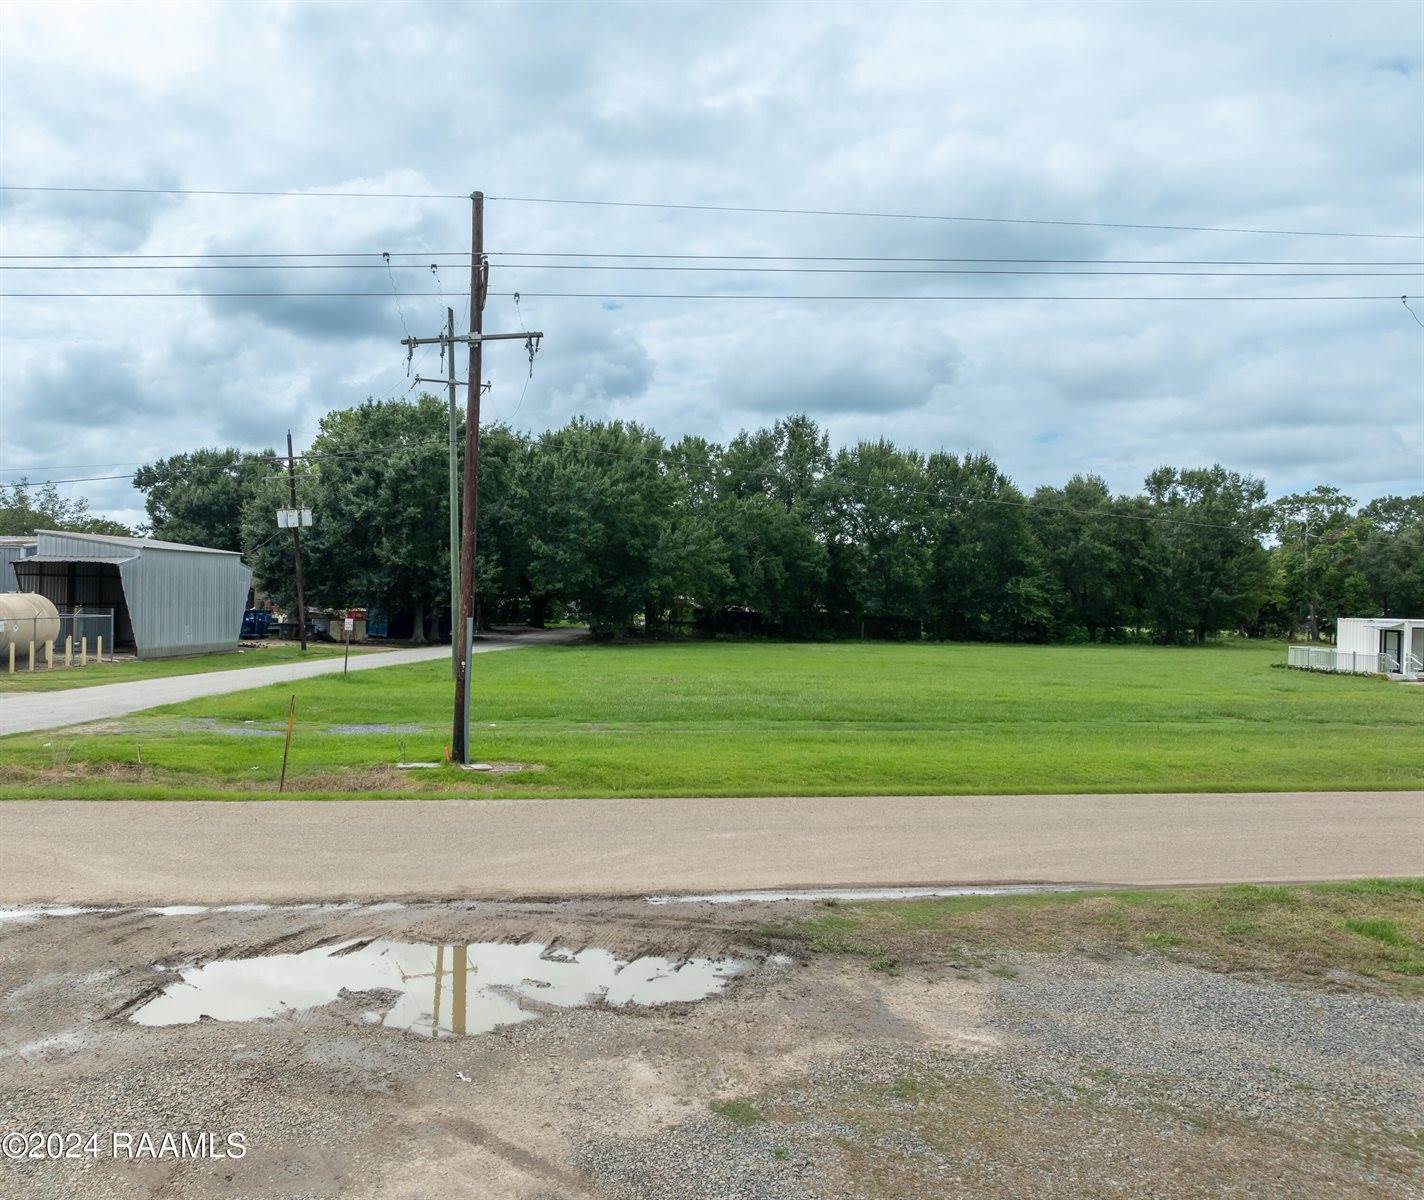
1278, 116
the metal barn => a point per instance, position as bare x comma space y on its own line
12, 548
168, 599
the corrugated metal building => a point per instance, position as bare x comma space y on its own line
12, 548
168, 599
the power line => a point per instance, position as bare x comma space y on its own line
717, 208
313, 194
904, 216
462, 258
390, 268
657, 296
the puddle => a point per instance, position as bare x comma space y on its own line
886, 893
20, 915
358, 730
439, 991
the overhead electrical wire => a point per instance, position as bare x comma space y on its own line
390, 268
462, 258
907, 296
766, 210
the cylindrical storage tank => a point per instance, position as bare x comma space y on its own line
27, 617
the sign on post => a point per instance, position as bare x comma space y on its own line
294, 518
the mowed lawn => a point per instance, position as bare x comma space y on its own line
757, 718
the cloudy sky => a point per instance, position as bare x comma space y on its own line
1304, 117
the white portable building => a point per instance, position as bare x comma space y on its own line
1368, 646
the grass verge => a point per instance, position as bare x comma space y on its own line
1365, 935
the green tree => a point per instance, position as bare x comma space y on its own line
1082, 531
1390, 532
880, 559
26, 508
198, 498
603, 500
1212, 573
376, 480
989, 578
775, 522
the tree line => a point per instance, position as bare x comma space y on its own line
777, 533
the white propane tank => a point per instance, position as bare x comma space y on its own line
27, 617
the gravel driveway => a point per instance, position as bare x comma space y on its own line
1067, 1075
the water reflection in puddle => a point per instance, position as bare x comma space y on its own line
440, 991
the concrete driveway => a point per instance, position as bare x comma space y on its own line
26, 712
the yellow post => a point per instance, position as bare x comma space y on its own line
84, 651
68, 649
99, 653
32, 654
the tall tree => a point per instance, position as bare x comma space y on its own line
24, 509
1080, 529
198, 498
989, 578
603, 499
1317, 556
1213, 572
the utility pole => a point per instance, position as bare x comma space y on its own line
470, 498
297, 546
454, 496
470, 505
447, 350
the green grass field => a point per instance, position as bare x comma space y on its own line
754, 718
125, 670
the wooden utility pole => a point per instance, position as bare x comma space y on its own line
452, 384
470, 505
470, 497
297, 545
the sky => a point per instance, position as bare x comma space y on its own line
1299, 116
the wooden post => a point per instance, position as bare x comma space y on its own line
99, 652
68, 649
32, 654
287, 746
12, 658
49, 654
84, 650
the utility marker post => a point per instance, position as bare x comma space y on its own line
462, 631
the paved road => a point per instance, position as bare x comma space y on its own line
227, 852
25, 712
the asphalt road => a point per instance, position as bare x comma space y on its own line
25, 712
229, 852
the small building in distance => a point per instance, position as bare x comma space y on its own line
1392, 646
167, 599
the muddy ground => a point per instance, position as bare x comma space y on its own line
1070, 1074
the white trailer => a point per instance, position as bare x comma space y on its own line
1392, 646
